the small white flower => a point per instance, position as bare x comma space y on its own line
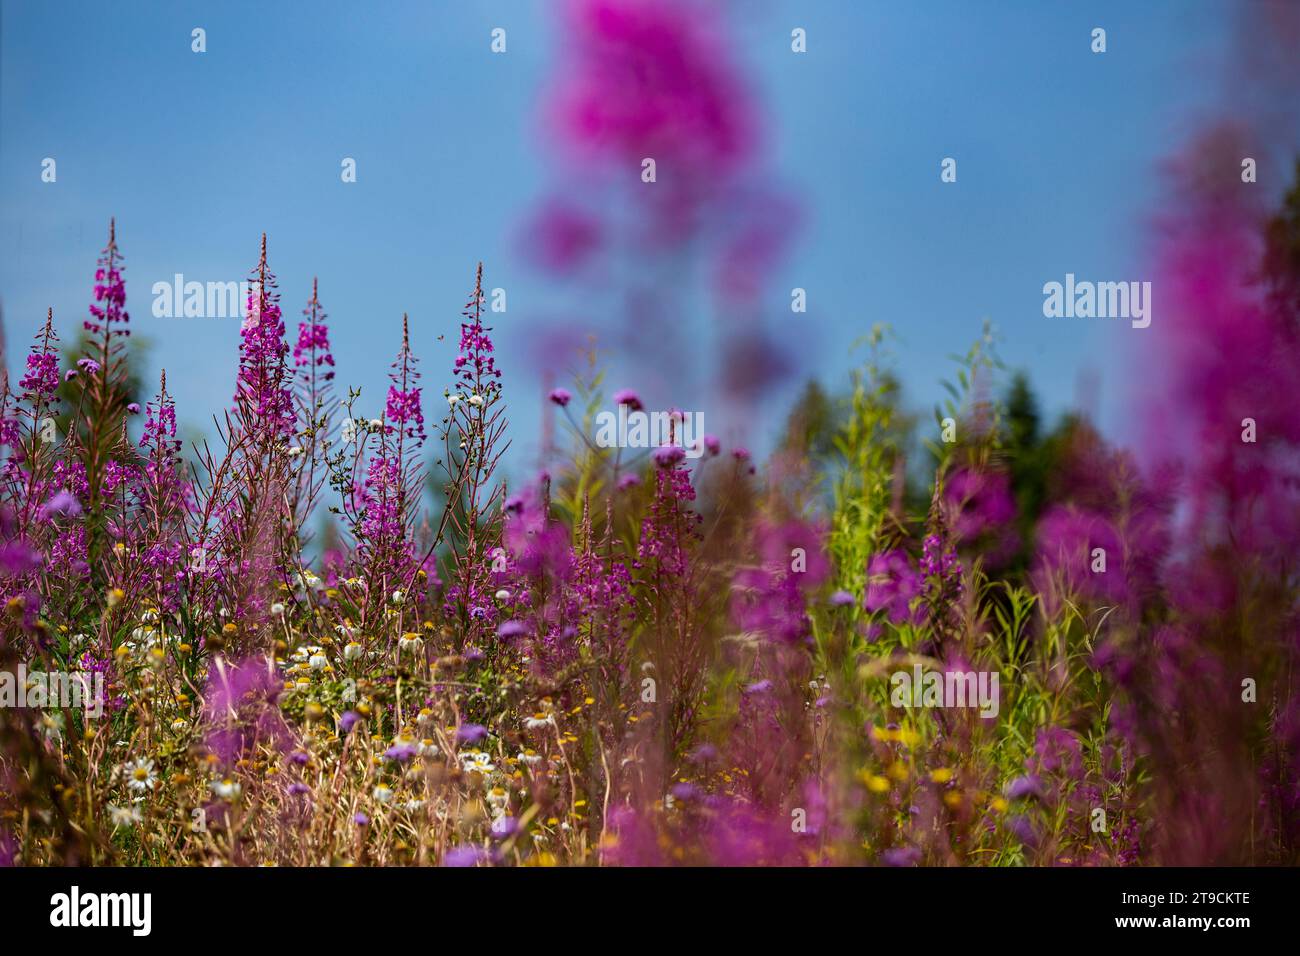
140, 775
453, 399
352, 651
277, 609
179, 724
307, 580
475, 761
503, 595
398, 596
408, 644
382, 794
413, 806
538, 721
295, 451
52, 726
318, 662
123, 816
476, 399
427, 748
530, 757
226, 788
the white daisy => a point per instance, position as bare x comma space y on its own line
308, 580
140, 775
538, 721
226, 788
124, 816
475, 761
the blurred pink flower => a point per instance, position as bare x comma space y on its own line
1067, 538
651, 78
561, 238
892, 584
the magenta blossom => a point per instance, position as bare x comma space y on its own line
982, 513
64, 504
892, 586
1080, 554
652, 78
240, 709
629, 398
665, 456
562, 238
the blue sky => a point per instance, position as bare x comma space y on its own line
196, 155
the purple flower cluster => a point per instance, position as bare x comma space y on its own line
475, 365
262, 394
41, 380
312, 350
108, 312
402, 408
893, 585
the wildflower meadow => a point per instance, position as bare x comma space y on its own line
646, 659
